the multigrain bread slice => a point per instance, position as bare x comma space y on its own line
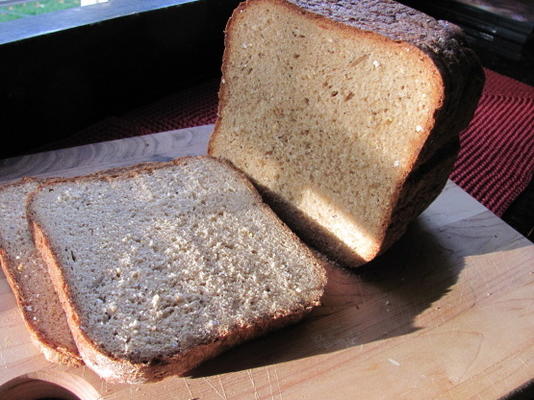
345, 114
164, 265
27, 274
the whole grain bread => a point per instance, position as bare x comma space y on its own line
28, 277
163, 265
345, 114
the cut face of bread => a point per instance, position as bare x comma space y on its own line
28, 277
337, 111
165, 265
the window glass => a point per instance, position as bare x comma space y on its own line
15, 9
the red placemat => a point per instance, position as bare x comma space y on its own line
496, 159
495, 163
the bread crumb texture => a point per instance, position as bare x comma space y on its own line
328, 118
172, 257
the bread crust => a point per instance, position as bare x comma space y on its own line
458, 77
52, 350
122, 370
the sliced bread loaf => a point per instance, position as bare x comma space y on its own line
345, 114
28, 277
161, 266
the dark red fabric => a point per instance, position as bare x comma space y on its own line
495, 164
192, 107
496, 159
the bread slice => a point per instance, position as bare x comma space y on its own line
163, 265
28, 277
345, 114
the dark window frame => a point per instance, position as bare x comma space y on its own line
69, 69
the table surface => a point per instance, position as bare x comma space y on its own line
447, 313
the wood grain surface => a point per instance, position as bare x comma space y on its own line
447, 313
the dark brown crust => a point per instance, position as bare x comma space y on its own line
459, 76
417, 194
123, 370
51, 349
463, 80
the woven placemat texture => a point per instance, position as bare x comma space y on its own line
496, 159
495, 163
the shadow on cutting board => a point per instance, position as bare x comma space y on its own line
392, 296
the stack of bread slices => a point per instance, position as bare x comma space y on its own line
345, 115
146, 271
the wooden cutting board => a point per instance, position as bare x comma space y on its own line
447, 313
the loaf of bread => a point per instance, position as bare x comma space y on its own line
28, 277
345, 114
163, 265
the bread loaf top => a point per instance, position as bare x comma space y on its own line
392, 20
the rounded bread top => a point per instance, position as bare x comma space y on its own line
392, 20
